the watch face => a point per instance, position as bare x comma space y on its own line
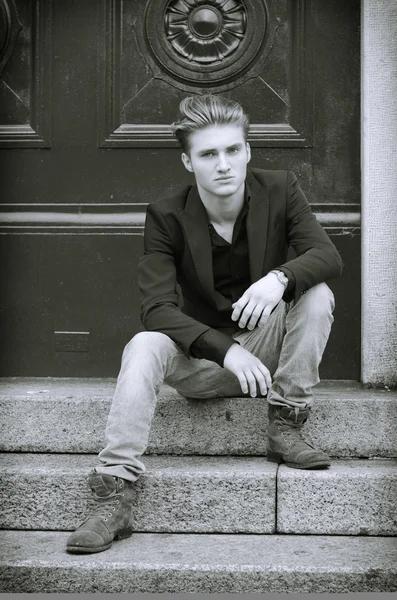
283, 278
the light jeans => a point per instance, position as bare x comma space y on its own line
290, 345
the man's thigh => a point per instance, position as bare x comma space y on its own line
265, 342
201, 379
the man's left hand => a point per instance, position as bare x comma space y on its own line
258, 301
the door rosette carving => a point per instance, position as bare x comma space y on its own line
207, 32
207, 42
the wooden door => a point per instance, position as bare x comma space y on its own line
88, 89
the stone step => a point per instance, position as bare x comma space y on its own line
176, 494
69, 415
209, 495
356, 497
36, 562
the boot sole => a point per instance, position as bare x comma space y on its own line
122, 535
314, 465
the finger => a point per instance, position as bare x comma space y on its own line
238, 307
266, 375
246, 314
261, 381
255, 316
265, 314
251, 383
243, 383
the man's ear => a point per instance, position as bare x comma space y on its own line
187, 162
248, 152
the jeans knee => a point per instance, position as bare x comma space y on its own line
320, 300
146, 341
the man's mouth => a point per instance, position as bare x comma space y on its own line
224, 178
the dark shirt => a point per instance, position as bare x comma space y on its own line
230, 264
230, 260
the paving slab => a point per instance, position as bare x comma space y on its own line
69, 415
355, 497
210, 563
176, 494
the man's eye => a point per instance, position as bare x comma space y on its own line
208, 154
233, 150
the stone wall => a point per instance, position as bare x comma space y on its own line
379, 192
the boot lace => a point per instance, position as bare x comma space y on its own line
105, 508
291, 430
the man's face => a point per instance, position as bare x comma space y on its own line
218, 158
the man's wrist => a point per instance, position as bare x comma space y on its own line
281, 276
211, 345
230, 351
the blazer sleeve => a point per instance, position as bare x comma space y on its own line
317, 258
157, 277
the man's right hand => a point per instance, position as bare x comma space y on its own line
249, 370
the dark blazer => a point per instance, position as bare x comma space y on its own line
177, 250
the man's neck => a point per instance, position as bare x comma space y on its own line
222, 209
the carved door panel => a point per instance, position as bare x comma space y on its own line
188, 47
88, 90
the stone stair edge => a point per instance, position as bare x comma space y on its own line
30, 462
68, 387
159, 461
37, 562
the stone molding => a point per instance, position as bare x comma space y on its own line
119, 219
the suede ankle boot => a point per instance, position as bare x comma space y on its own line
110, 518
285, 441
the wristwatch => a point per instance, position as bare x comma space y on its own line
281, 276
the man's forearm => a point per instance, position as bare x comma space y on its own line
212, 345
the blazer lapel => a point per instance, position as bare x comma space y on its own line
257, 220
195, 223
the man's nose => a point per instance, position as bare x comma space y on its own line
223, 163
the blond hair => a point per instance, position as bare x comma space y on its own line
197, 112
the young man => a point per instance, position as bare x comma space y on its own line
225, 312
